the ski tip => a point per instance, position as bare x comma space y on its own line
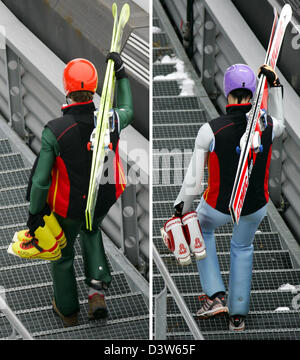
288, 12
114, 9
125, 13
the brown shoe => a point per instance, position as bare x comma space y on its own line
97, 307
68, 321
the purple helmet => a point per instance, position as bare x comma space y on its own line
239, 76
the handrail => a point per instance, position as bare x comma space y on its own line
14, 321
191, 323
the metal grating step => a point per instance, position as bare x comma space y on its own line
175, 103
160, 39
166, 88
185, 130
15, 177
176, 160
262, 260
262, 242
119, 307
255, 321
11, 162
40, 295
155, 21
276, 300
16, 272
278, 334
131, 329
5, 147
160, 52
186, 144
261, 280
163, 69
13, 214
175, 117
13, 195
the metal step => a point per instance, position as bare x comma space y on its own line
257, 321
262, 260
268, 301
39, 319
163, 69
13, 214
175, 103
261, 280
187, 130
5, 147
265, 334
178, 117
11, 161
14, 177
161, 39
262, 242
127, 329
160, 52
12, 195
166, 88
183, 144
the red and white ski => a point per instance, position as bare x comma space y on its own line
248, 155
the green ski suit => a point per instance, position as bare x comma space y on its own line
94, 257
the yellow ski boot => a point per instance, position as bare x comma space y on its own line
56, 229
53, 226
42, 246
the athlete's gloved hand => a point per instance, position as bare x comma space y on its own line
178, 209
118, 65
270, 74
113, 120
263, 120
36, 220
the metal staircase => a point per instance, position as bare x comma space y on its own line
27, 284
176, 121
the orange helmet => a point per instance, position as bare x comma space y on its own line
80, 75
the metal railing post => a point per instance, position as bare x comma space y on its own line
130, 243
14, 321
209, 59
17, 121
190, 321
160, 315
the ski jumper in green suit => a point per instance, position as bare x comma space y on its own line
61, 178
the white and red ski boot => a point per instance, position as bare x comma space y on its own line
174, 238
193, 235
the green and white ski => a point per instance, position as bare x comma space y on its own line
101, 135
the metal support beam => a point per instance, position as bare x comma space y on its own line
188, 317
130, 245
12, 318
160, 316
209, 59
17, 121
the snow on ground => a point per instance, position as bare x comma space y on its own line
288, 287
156, 30
282, 308
186, 84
